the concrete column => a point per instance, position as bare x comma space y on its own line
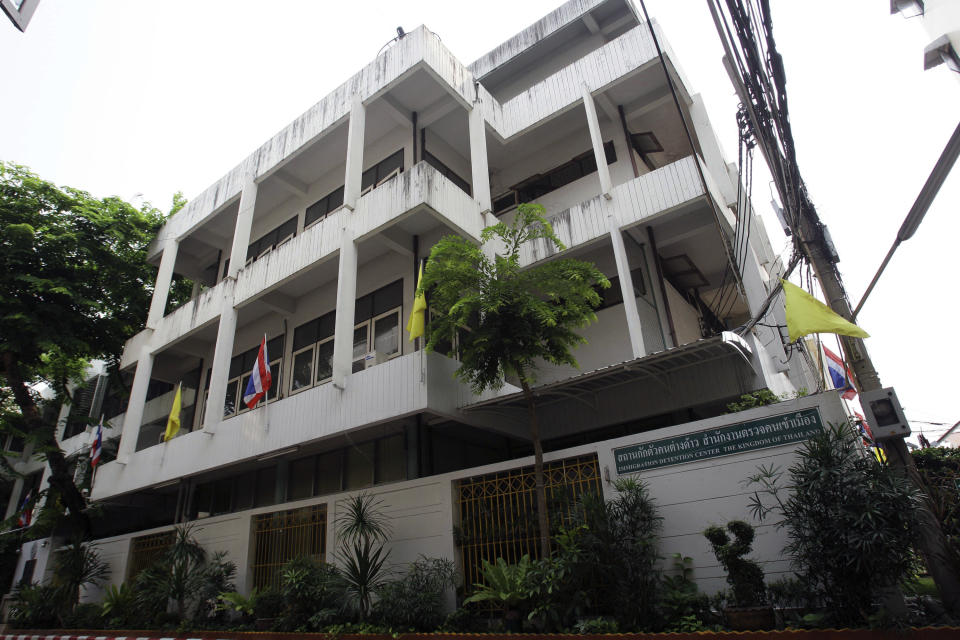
220, 369
650, 266
351, 181
133, 417
162, 287
13, 503
603, 171
346, 308
478, 159
626, 288
241, 232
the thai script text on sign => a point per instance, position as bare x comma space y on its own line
772, 431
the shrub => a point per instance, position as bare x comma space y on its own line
680, 600
744, 576
269, 604
850, 520
416, 601
619, 556
87, 615
36, 607
362, 528
312, 592
120, 607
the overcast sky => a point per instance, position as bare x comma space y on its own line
120, 97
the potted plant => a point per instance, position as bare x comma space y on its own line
750, 609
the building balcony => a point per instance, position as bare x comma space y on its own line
405, 385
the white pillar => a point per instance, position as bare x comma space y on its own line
603, 171
478, 159
354, 170
241, 232
346, 308
133, 417
162, 287
626, 288
220, 369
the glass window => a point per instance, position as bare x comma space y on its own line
301, 479
230, 403
328, 472
244, 383
360, 465
274, 380
391, 459
222, 494
324, 360
386, 334
302, 374
360, 341
266, 486
246, 490
202, 499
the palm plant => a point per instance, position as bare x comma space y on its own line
362, 528
76, 565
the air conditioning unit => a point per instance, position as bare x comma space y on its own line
373, 358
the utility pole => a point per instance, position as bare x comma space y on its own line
811, 241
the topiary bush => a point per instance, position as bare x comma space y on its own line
743, 575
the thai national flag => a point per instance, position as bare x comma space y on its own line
260, 378
839, 375
97, 447
26, 510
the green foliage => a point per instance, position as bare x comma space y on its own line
680, 600
558, 596
851, 521
120, 606
312, 594
76, 565
505, 585
74, 285
362, 528
939, 467
618, 565
84, 616
595, 626
464, 620
515, 316
36, 607
415, 601
269, 603
744, 576
760, 398
233, 601
186, 578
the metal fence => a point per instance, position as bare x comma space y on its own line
498, 514
284, 535
146, 550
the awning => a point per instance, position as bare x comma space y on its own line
654, 365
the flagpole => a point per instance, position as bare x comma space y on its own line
266, 394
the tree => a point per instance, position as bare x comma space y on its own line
508, 319
74, 284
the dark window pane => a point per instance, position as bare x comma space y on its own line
326, 325
363, 309
305, 334
324, 360
387, 298
386, 334
328, 472
274, 349
302, 370
244, 381
395, 161
222, 496
245, 491
314, 212
335, 200
274, 380
236, 366
230, 403
202, 499
359, 342
360, 465
368, 177
391, 459
266, 486
301, 479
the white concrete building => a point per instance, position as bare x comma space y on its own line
314, 241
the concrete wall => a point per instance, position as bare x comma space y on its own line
422, 512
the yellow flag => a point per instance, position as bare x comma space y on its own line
416, 322
806, 314
173, 422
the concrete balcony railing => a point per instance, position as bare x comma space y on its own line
405, 385
421, 185
652, 194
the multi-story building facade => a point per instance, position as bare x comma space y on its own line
314, 241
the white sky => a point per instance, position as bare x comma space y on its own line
127, 98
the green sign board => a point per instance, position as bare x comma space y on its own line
772, 431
